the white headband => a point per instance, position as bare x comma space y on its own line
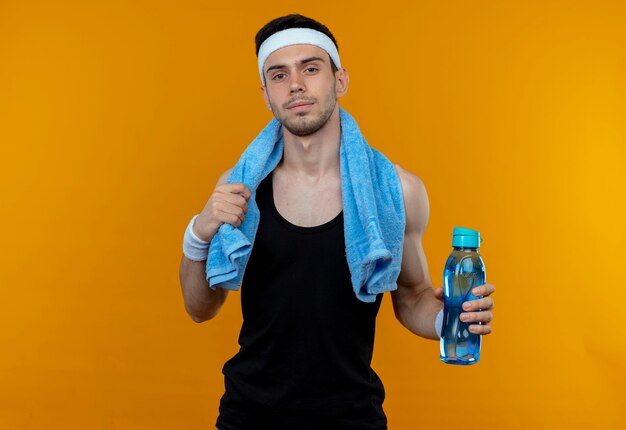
296, 36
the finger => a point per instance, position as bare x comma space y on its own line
246, 193
235, 199
471, 317
228, 218
227, 208
439, 293
484, 290
478, 304
480, 329
237, 188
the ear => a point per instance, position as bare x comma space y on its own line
342, 80
266, 98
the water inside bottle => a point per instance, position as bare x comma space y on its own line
458, 345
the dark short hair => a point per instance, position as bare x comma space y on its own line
292, 21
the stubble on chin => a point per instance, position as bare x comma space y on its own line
305, 124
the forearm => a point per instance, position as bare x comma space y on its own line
416, 307
201, 302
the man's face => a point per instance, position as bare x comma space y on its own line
301, 88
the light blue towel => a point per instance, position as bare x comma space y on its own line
373, 212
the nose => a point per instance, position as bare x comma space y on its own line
296, 84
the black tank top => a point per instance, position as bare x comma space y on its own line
306, 341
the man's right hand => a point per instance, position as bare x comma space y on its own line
227, 204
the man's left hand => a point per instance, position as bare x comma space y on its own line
479, 311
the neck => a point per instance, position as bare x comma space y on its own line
315, 156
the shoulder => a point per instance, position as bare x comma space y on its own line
413, 188
410, 181
224, 176
415, 200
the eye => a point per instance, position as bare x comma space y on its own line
278, 76
311, 68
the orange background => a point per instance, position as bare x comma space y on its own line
117, 117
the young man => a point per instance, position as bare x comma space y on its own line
307, 340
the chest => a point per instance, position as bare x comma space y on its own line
307, 205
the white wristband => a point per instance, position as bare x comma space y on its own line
194, 248
439, 323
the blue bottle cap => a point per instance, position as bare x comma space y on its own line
466, 238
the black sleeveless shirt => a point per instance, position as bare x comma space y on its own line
306, 341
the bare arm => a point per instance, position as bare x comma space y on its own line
228, 203
201, 302
415, 302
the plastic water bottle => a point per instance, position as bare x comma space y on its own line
464, 271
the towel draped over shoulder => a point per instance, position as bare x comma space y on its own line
373, 211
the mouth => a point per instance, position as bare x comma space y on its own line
301, 108
300, 105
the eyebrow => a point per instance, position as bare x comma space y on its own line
306, 60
